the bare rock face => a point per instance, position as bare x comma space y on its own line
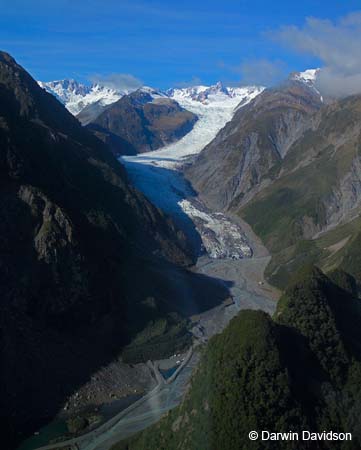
55, 231
138, 123
239, 161
344, 201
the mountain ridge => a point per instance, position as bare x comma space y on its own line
76, 96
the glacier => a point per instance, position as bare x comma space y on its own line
159, 174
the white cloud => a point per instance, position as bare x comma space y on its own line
194, 81
262, 72
336, 44
257, 71
120, 81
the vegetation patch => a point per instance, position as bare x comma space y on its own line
160, 339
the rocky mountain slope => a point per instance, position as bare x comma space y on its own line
86, 261
296, 371
316, 193
142, 121
240, 160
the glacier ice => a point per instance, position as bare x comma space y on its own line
158, 174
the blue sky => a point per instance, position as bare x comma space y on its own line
162, 43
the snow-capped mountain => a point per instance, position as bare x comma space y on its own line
76, 96
79, 97
153, 93
309, 76
217, 93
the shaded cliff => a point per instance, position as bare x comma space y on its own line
81, 252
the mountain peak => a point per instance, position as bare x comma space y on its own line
220, 86
65, 87
154, 93
216, 93
76, 96
308, 76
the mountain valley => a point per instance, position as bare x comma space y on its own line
178, 249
